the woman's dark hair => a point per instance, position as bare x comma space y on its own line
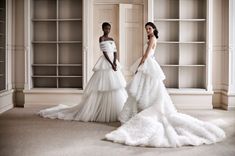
154, 27
105, 24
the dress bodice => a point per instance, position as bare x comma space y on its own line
151, 53
108, 46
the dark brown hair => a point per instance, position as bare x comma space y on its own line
154, 27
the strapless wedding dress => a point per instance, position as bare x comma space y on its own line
149, 117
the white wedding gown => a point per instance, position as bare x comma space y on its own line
149, 117
103, 97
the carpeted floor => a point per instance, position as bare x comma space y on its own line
23, 133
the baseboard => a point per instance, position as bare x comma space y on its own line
6, 108
6, 101
183, 99
227, 107
51, 97
216, 99
191, 99
228, 101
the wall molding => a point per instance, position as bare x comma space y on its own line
6, 100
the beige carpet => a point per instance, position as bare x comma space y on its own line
22, 133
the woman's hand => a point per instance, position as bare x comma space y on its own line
115, 64
142, 60
114, 67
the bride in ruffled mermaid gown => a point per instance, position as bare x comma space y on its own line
149, 117
104, 95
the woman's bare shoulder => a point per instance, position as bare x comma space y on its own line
102, 38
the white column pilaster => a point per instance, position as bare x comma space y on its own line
229, 95
27, 43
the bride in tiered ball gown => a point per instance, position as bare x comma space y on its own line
149, 117
104, 95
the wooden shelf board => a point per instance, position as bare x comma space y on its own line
44, 20
48, 65
182, 65
54, 19
44, 76
178, 20
48, 76
69, 41
168, 42
169, 65
44, 42
193, 42
188, 91
192, 65
70, 76
53, 90
70, 19
181, 42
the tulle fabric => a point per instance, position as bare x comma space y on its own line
96, 106
103, 97
149, 117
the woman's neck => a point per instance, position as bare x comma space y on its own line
150, 35
106, 35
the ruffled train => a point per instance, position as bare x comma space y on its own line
102, 100
149, 117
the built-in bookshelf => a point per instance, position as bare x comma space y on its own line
182, 42
2, 45
56, 39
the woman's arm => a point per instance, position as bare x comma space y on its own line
107, 58
114, 59
150, 45
114, 55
